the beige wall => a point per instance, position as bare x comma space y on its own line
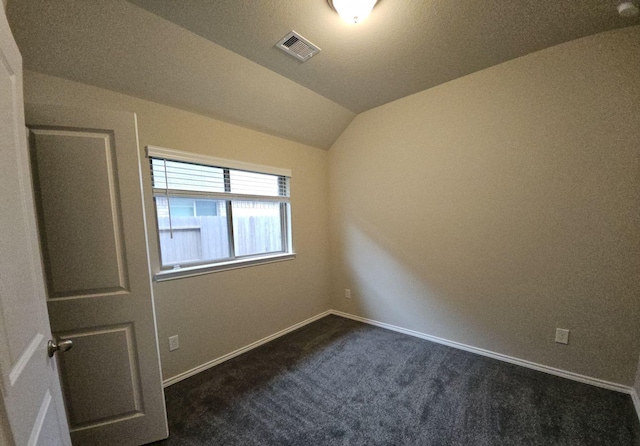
217, 313
488, 211
494, 208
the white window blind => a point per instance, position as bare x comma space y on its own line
211, 211
182, 178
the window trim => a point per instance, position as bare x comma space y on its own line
187, 157
169, 272
198, 270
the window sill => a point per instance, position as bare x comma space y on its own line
190, 271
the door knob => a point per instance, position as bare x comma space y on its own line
62, 346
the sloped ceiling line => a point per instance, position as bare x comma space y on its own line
218, 58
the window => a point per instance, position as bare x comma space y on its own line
216, 214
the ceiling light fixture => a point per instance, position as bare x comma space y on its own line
627, 9
353, 11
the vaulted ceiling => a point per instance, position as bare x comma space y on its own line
403, 47
218, 57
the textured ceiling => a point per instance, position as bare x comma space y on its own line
116, 45
217, 57
403, 47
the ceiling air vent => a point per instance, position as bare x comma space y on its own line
299, 47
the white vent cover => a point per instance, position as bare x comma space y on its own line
299, 47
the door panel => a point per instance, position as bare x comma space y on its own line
47, 429
79, 196
101, 357
31, 401
19, 295
88, 188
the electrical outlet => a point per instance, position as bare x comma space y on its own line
347, 293
562, 336
174, 343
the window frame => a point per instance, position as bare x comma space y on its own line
188, 269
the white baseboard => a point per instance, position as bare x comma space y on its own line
233, 354
499, 356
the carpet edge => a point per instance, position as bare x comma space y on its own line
501, 357
488, 353
214, 362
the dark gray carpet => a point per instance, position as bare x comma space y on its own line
340, 382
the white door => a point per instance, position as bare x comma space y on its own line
86, 169
31, 412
